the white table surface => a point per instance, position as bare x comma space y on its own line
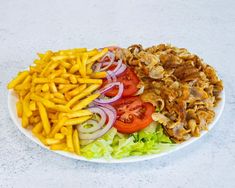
205, 27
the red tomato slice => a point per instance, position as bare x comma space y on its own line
132, 114
129, 80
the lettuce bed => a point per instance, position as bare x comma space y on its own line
150, 140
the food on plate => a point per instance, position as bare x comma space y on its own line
179, 84
116, 102
132, 114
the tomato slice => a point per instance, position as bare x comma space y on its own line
129, 80
132, 114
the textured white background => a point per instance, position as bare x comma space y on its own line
206, 28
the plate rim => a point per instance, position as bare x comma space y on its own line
28, 134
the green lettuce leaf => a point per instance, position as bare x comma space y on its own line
116, 145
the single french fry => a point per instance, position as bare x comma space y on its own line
45, 68
36, 119
65, 75
92, 52
49, 67
97, 56
44, 133
84, 93
37, 128
98, 75
44, 118
45, 102
76, 121
76, 142
74, 68
47, 56
40, 137
50, 141
89, 81
38, 88
45, 87
89, 69
59, 95
61, 108
25, 104
72, 51
84, 62
77, 90
25, 85
60, 57
78, 113
31, 120
65, 64
40, 80
61, 81
34, 69
67, 88
32, 105
18, 79
23, 93
79, 50
79, 63
19, 108
52, 116
25, 121
83, 103
47, 95
73, 79
58, 126
61, 146
53, 87
69, 139
59, 136
35, 112
59, 101
67, 96
64, 130
55, 74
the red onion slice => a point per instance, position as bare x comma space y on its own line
96, 67
121, 69
107, 106
110, 55
97, 125
109, 78
101, 132
107, 63
107, 87
112, 75
110, 100
119, 64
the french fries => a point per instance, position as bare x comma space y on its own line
69, 139
76, 142
19, 79
54, 95
89, 81
44, 118
85, 93
76, 121
83, 103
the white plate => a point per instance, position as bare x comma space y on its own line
12, 99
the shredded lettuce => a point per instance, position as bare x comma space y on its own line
150, 140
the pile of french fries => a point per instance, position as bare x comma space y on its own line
54, 95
